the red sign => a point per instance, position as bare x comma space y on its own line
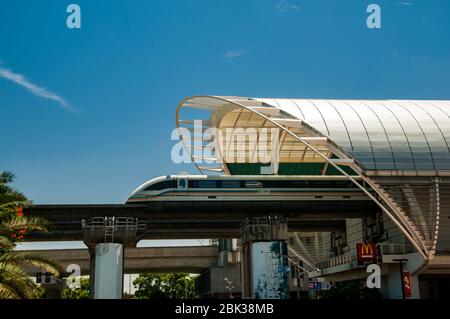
366, 252
406, 284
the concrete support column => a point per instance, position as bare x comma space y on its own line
106, 238
92, 271
108, 280
264, 258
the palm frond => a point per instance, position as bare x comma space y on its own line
18, 280
31, 258
25, 223
8, 292
14, 204
6, 177
6, 243
14, 281
10, 195
10, 208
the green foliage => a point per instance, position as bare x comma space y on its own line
128, 296
41, 293
78, 293
164, 286
14, 281
9, 194
350, 290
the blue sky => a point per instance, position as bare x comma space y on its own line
87, 114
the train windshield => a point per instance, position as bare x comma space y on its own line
162, 185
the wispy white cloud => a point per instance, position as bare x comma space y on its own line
34, 88
404, 3
283, 5
233, 54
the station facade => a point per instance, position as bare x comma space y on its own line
396, 151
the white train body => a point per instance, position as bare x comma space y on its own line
246, 188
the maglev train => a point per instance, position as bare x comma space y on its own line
246, 188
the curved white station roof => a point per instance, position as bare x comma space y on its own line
380, 135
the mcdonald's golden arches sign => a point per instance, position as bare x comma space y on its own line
366, 252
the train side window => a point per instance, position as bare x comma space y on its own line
207, 184
193, 184
253, 184
300, 184
162, 185
277, 184
321, 184
181, 183
231, 184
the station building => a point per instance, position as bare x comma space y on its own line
398, 149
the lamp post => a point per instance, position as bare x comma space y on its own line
401, 261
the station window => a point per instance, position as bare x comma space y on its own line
373, 228
162, 185
338, 242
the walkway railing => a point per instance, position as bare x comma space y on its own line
335, 261
392, 249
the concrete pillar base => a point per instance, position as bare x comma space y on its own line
264, 258
108, 281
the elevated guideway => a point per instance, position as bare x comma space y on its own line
202, 219
191, 259
111, 231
